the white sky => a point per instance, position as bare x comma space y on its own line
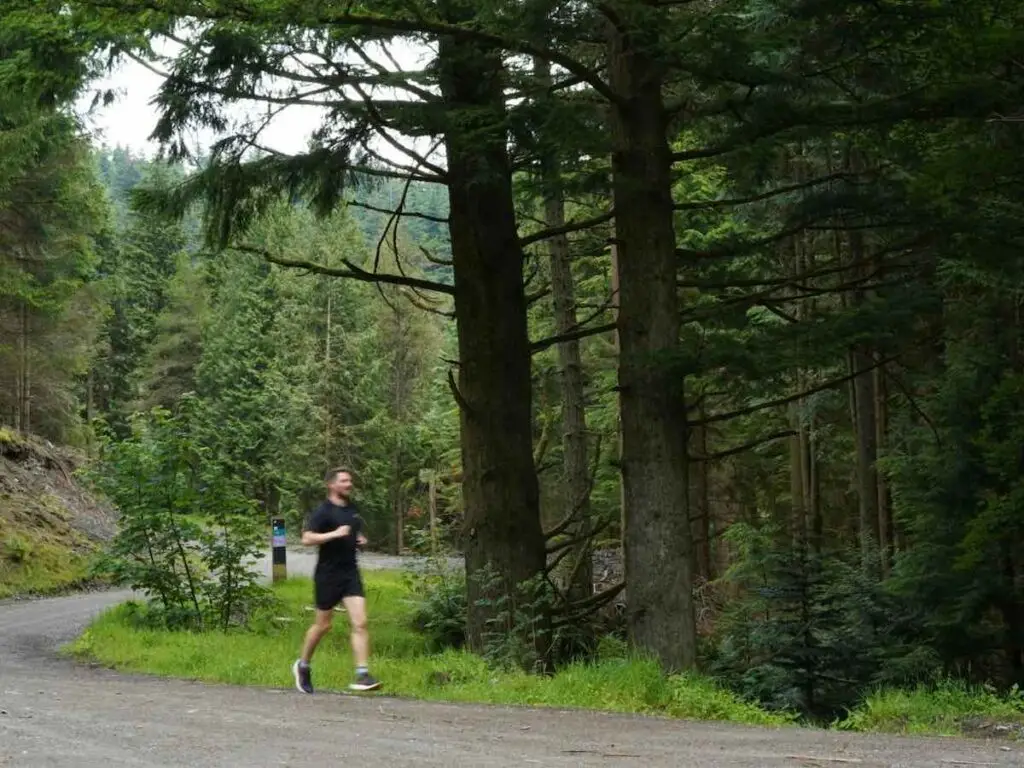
130, 120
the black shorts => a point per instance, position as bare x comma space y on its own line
329, 589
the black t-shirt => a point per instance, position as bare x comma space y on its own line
336, 554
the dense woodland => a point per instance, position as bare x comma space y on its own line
736, 285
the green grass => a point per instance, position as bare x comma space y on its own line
263, 655
41, 551
947, 708
31, 564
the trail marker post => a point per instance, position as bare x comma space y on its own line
279, 551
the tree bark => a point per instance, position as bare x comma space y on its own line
500, 489
618, 424
25, 381
401, 379
328, 458
432, 511
658, 551
399, 527
700, 501
576, 466
885, 522
862, 401
797, 480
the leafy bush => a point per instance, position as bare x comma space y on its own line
188, 533
439, 596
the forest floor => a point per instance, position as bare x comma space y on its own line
50, 526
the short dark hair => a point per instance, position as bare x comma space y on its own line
330, 474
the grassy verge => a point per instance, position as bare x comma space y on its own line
33, 565
947, 708
263, 656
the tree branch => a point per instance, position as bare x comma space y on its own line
745, 446
289, 14
789, 398
405, 214
352, 272
701, 205
581, 609
572, 542
579, 333
572, 226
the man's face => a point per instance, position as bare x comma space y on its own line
342, 484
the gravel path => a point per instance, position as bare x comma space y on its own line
54, 712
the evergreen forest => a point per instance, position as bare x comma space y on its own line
728, 291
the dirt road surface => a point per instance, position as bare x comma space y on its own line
54, 712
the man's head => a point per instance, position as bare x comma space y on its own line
339, 482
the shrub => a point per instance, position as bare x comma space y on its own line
188, 533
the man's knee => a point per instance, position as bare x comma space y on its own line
356, 613
323, 622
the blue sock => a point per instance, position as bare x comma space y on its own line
362, 671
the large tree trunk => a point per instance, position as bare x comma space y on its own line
574, 419
658, 551
579, 569
500, 488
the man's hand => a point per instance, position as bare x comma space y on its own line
342, 531
361, 540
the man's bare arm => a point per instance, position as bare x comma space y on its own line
310, 539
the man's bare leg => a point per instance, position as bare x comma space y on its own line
320, 627
360, 636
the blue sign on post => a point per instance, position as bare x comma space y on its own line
279, 551
279, 538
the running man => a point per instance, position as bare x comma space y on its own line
335, 527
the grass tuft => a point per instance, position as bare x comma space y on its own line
32, 564
947, 708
